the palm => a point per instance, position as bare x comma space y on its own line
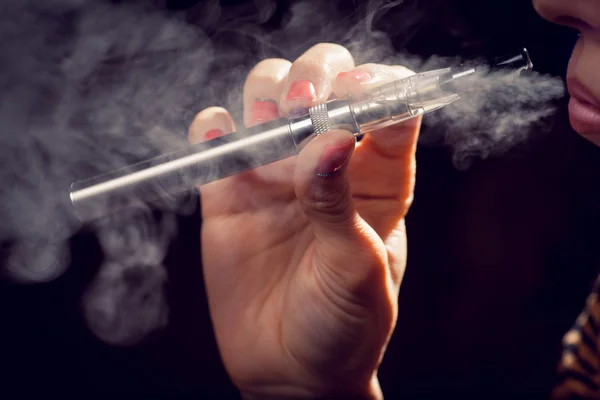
260, 264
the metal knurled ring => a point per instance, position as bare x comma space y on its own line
320, 119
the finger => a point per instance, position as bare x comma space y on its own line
389, 143
211, 123
367, 76
310, 76
321, 184
262, 90
383, 179
383, 167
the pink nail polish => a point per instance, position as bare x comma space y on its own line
213, 134
263, 111
360, 76
302, 90
334, 158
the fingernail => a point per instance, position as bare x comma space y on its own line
213, 134
302, 90
263, 111
334, 158
360, 76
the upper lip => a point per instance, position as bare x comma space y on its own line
583, 94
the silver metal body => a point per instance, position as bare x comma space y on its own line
199, 164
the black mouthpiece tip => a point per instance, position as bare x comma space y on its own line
519, 62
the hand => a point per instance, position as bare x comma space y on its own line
303, 258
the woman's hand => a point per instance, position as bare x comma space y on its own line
303, 258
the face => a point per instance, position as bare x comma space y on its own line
583, 76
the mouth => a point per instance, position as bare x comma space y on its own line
584, 110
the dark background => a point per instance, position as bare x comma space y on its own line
501, 256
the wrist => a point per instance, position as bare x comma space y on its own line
369, 391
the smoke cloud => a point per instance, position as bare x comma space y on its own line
497, 112
91, 86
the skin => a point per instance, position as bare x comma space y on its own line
584, 67
302, 270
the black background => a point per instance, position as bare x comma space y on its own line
501, 257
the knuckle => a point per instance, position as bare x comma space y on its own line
212, 111
270, 70
209, 114
268, 66
327, 48
215, 117
328, 56
264, 84
402, 71
310, 67
370, 66
332, 203
388, 72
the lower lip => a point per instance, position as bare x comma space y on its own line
585, 118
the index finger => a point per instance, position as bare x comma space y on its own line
389, 142
309, 80
382, 170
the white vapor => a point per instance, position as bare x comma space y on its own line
89, 86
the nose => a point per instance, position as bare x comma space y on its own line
583, 15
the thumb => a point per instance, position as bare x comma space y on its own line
322, 188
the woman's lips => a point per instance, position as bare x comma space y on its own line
584, 111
